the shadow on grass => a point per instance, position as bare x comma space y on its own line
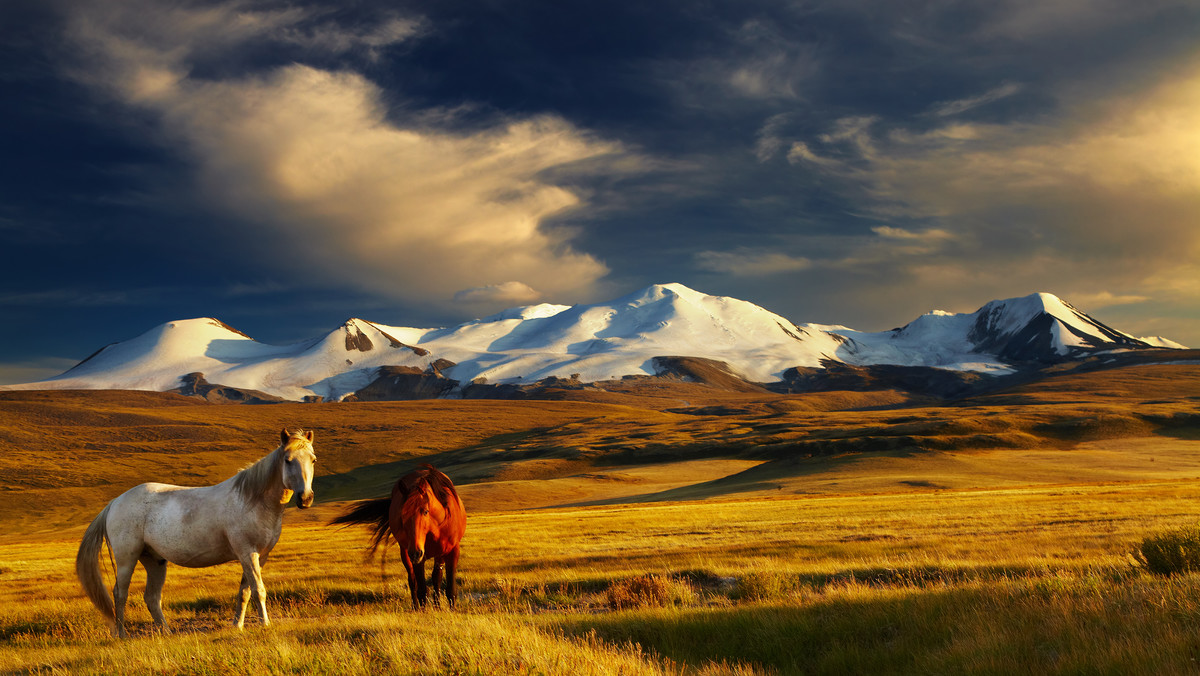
997, 629
289, 598
471, 464
763, 477
332, 597
844, 637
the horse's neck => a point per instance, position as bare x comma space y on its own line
260, 486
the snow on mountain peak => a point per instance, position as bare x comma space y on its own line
1024, 328
596, 342
660, 292
1159, 341
1012, 314
621, 337
539, 311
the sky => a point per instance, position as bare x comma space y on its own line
284, 166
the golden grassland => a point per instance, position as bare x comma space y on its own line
1000, 581
681, 531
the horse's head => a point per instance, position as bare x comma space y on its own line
421, 516
297, 465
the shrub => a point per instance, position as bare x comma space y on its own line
765, 585
649, 591
1170, 552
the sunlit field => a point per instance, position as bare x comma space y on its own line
837, 533
1025, 580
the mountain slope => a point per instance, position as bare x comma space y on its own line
331, 366
621, 337
998, 337
587, 343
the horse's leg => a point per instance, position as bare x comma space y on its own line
252, 582
243, 598
416, 580
436, 581
125, 566
422, 588
261, 591
451, 578
156, 575
412, 579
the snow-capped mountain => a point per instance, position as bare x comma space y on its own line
621, 337
1000, 335
591, 342
335, 364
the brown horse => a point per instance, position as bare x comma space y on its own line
426, 517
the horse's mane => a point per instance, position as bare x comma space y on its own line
442, 486
254, 479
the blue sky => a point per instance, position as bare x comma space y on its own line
283, 166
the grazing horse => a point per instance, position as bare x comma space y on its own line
426, 517
237, 519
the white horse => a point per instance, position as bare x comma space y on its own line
238, 519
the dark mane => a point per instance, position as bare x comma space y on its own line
441, 484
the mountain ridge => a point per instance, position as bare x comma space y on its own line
628, 336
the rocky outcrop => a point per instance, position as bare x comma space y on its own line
405, 383
925, 380
194, 385
711, 372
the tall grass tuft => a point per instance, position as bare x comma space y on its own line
763, 585
649, 591
1172, 551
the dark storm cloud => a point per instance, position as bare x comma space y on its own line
845, 161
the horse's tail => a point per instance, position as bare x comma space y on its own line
87, 565
374, 515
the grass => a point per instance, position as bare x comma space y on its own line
1173, 551
1071, 624
1030, 580
669, 531
67, 453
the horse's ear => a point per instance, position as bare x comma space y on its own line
283, 436
308, 435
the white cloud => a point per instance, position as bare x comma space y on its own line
1026, 20
773, 65
770, 140
948, 108
409, 209
1102, 299
749, 262
800, 152
514, 293
930, 235
1107, 196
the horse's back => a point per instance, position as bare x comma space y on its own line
129, 510
455, 522
181, 524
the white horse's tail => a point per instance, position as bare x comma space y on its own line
87, 566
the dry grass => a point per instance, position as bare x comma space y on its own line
66, 453
745, 534
964, 581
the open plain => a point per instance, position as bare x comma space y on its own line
662, 528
